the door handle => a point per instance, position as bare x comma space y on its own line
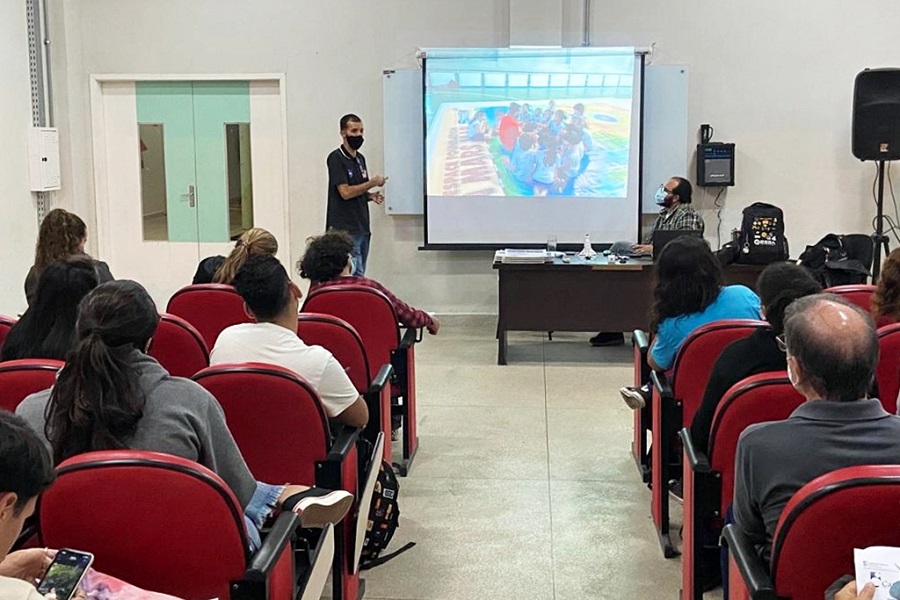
191, 196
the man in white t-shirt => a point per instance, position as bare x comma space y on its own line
273, 300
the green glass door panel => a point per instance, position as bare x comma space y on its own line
169, 105
216, 105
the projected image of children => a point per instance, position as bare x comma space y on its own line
507, 133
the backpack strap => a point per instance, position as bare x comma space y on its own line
377, 562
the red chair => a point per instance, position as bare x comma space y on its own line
169, 525
6, 323
676, 398
859, 295
21, 378
372, 315
338, 337
178, 347
283, 434
825, 520
887, 373
709, 475
210, 307
641, 342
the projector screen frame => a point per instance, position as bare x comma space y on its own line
426, 246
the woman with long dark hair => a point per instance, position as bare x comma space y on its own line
47, 329
689, 293
111, 395
61, 235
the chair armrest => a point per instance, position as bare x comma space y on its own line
641, 339
381, 379
343, 444
698, 460
661, 383
278, 538
409, 338
753, 568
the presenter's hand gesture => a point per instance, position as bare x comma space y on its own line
376, 197
379, 180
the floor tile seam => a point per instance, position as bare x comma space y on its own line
549, 472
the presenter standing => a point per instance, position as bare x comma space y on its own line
350, 191
674, 199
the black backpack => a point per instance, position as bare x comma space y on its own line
761, 240
384, 518
830, 263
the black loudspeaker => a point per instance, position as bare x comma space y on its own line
876, 115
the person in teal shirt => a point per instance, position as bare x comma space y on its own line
689, 293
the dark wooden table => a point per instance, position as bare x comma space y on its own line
583, 295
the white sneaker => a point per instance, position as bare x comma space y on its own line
633, 398
318, 507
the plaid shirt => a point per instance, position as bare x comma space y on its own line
682, 216
406, 314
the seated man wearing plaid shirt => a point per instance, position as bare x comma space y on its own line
677, 213
327, 262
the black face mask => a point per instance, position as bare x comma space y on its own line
355, 141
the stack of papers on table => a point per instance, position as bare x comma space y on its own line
523, 257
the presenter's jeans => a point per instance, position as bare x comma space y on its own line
360, 253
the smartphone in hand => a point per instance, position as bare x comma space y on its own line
65, 574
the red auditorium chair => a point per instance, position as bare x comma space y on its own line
338, 337
813, 545
859, 295
170, 525
281, 429
709, 474
210, 307
887, 374
178, 347
21, 378
641, 342
676, 397
372, 315
6, 324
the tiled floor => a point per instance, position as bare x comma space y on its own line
523, 487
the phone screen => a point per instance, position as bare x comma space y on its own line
65, 573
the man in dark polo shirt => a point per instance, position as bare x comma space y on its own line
350, 191
832, 351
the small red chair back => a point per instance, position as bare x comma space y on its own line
367, 310
756, 399
6, 323
859, 295
275, 417
887, 373
179, 347
825, 520
210, 308
697, 355
157, 521
338, 337
21, 378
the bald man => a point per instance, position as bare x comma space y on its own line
832, 350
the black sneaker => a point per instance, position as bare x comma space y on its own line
318, 507
676, 490
608, 338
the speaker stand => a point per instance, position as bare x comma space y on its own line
878, 238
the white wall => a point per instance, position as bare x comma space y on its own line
774, 77
16, 201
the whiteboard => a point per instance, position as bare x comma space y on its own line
665, 148
404, 142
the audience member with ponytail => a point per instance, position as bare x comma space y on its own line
778, 286
218, 269
47, 329
111, 395
61, 235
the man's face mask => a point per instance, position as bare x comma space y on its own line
663, 198
355, 141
